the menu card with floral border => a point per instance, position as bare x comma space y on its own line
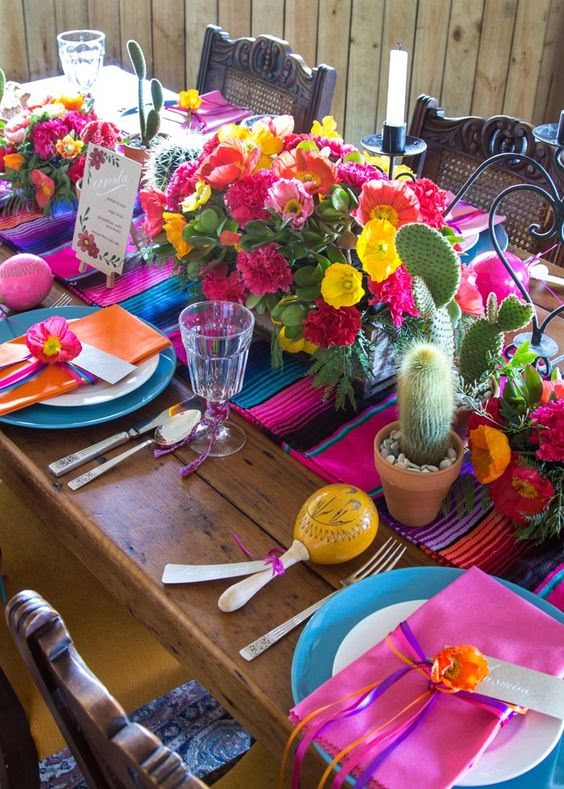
105, 209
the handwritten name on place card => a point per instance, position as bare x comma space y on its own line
105, 209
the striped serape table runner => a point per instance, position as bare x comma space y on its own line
337, 445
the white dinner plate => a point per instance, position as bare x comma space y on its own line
102, 392
520, 745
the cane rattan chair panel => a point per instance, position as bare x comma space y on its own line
456, 146
264, 75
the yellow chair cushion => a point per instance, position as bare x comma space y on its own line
127, 658
258, 769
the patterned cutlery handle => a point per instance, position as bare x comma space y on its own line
256, 648
76, 459
84, 479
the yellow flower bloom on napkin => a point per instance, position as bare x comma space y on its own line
376, 249
190, 99
327, 128
173, 226
342, 285
460, 667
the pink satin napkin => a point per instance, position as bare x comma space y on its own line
215, 111
475, 609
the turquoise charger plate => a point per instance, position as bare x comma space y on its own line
50, 418
317, 646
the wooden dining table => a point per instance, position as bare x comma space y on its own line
126, 525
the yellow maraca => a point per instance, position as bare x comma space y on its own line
335, 524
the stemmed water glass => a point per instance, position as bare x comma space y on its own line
217, 336
82, 55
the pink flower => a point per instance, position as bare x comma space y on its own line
101, 133
15, 129
44, 136
278, 125
552, 390
76, 170
265, 270
468, 297
291, 200
218, 284
153, 204
245, 199
87, 243
550, 421
395, 291
44, 187
52, 341
75, 121
355, 174
182, 184
432, 201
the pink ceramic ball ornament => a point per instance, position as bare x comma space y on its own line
25, 280
493, 277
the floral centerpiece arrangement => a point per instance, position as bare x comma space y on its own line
517, 447
302, 228
42, 148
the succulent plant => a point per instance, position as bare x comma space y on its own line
484, 339
168, 154
149, 124
435, 270
426, 399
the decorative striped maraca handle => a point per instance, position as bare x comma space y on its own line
240, 593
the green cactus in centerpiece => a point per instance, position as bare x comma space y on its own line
426, 400
434, 267
168, 154
150, 123
2, 84
484, 339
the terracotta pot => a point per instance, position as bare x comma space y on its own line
415, 498
136, 153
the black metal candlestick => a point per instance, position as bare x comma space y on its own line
394, 143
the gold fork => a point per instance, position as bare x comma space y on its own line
385, 558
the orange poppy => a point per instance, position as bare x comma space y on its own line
460, 667
317, 173
231, 160
393, 201
491, 453
14, 160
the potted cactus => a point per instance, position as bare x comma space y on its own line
419, 457
149, 122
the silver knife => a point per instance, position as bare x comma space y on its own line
70, 462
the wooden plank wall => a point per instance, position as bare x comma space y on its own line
477, 56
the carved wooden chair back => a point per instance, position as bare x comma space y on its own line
264, 75
455, 146
19, 768
111, 751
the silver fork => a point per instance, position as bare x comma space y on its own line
63, 300
385, 558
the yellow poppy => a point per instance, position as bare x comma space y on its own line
189, 99
198, 198
342, 285
173, 226
376, 249
295, 346
68, 147
71, 102
231, 130
327, 128
269, 143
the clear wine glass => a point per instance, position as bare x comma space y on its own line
217, 336
82, 56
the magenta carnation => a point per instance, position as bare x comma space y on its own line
245, 199
44, 136
182, 184
264, 270
355, 174
432, 201
76, 170
550, 420
101, 133
75, 121
395, 291
327, 326
218, 284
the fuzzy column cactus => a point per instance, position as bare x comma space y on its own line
149, 124
426, 399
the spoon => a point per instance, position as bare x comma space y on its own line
170, 432
335, 524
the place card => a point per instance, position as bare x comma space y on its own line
524, 686
103, 365
105, 210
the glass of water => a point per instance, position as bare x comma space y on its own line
82, 56
217, 336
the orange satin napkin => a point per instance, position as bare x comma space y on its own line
112, 329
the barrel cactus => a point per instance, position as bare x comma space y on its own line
149, 124
435, 270
426, 399
485, 337
167, 154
